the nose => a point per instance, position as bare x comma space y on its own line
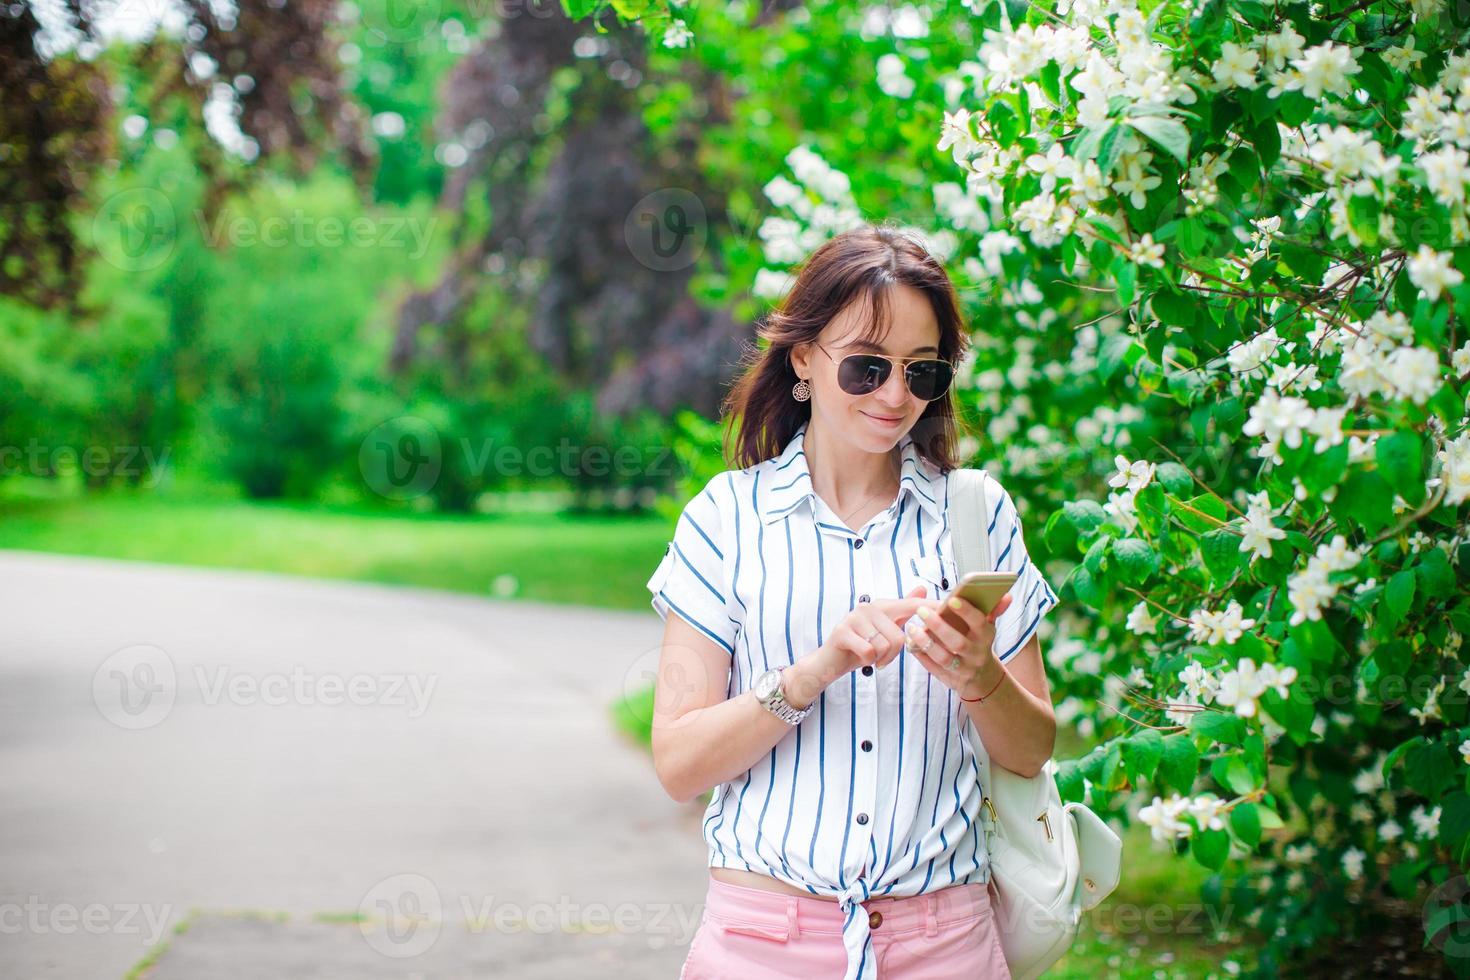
895, 391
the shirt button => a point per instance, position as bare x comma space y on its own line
867, 746
875, 919
858, 543
868, 670
944, 583
862, 818
865, 598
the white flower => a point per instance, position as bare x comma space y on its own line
1352, 862
1135, 475
1465, 751
1239, 688
955, 132
1141, 621
1324, 69
1433, 272
1163, 818
1460, 361
1414, 373
1052, 165
1426, 824
1198, 682
1282, 46
1430, 709
677, 35
891, 78
1135, 184
1207, 810
1146, 251
1403, 58
1222, 627
1299, 853
771, 283
1390, 830
1259, 532
1237, 66
1455, 469
1278, 418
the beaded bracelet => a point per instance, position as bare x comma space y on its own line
987, 693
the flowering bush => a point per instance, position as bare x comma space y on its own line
1220, 248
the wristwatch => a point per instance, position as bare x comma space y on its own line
767, 688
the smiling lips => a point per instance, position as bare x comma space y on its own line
884, 421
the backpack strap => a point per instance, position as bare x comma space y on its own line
968, 510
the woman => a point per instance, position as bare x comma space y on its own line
808, 676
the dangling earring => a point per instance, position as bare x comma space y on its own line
801, 391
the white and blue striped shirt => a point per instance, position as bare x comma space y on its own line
876, 792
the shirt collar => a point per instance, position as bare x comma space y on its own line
788, 482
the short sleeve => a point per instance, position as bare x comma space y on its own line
1032, 596
690, 580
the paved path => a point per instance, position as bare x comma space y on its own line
237, 743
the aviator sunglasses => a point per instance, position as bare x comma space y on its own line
927, 378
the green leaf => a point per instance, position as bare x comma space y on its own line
1232, 772
1221, 553
1400, 458
1219, 726
1176, 309
1454, 824
1436, 578
1135, 560
1398, 597
1429, 770
1141, 754
1110, 149
1246, 822
1205, 512
1363, 215
1179, 764
1085, 515
1170, 134
1125, 273
1210, 848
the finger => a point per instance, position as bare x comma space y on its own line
900, 610
967, 619
892, 637
942, 629
926, 660
924, 641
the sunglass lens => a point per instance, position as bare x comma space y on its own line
859, 374
929, 379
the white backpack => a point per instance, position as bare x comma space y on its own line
1049, 861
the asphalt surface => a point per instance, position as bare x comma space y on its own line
221, 774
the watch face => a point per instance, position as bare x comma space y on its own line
765, 684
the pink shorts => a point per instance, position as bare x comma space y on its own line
749, 932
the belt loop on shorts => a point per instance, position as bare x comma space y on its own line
931, 921
792, 927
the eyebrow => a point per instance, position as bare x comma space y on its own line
869, 345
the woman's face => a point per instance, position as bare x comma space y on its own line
878, 419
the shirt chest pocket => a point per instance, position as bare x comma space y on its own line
936, 573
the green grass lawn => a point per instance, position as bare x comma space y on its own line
595, 561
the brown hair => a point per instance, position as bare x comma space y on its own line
862, 264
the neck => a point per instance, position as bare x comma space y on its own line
847, 475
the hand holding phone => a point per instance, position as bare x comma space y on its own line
984, 590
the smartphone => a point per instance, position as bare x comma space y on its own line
982, 589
